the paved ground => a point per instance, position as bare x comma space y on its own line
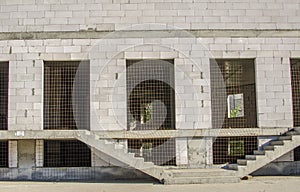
258, 184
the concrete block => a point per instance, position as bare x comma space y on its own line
54, 49
181, 151
58, 21
39, 153
72, 49
217, 47
12, 154
25, 77
24, 121
19, 50
111, 6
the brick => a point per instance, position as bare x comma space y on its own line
54, 49
19, 49
36, 14
72, 49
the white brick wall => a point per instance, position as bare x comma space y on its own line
66, 15
274, 104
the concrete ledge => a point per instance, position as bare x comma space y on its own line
70, 134
147, 34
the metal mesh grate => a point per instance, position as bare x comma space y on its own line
295, 77
159, 151
150, 95
297, 154
233, 89
66, 153
151, 106
3, 153
229, 149
66, 95
3, 95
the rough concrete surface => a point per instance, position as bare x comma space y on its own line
257, 184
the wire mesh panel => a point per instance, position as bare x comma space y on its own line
295, 77
150, 96
229, 149
66, 153
3, 95
151, 106
66, 95
233, 89
3, 153
297, 154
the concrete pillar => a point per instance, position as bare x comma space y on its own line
181, 151
196, 152
26, 153
200, 152
209, 150
12, 154
39, 153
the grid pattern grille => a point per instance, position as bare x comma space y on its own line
66, 153
3, 153
295, 77
229, 149
297, 154
150, 102
233, 89
66, 95
151, 106
3, 95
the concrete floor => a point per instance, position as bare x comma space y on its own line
257, 184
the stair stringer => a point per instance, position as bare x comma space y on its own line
109, 149
269, 156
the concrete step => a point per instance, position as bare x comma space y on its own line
109, 141
203, 180
131, 155
201, 172
242, 162
282, 138
293, 133
149, 164
259, 152
279, 142
233, 167
297, 129
119, 146
250, 157
269, 147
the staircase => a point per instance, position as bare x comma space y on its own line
284, 144
163, 174
120, 153
200, 176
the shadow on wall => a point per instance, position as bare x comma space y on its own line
84, 174
279, 169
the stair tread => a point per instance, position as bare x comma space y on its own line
197, 170
212, 176
282, 138
201, 173
203, 180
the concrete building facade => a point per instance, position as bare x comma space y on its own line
179, 83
